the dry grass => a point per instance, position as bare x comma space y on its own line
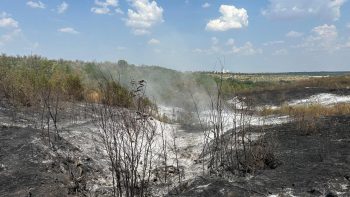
335, 82
289, 82
307, 116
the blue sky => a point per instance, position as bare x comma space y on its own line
187, 35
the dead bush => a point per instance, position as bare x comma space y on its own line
128, 136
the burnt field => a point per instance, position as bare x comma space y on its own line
308, 165
82, 132
305, 164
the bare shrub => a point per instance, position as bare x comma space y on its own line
232, 148
128, 136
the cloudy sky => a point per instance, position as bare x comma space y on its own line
245, 35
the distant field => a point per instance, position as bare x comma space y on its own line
274, 77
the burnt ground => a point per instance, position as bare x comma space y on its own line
312, 165
279, 96
29, 168
21, 170
317, 164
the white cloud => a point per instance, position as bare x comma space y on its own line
145, 15
347, 44
283, 9
214, 40
280, 52
36, 4
229, 48
348, 25
106, 3
246, 49
153, 41
197, 50
112, 2
322, 38
230, 42
9, 36
121, 48
11, 26
140, 32
68, 30
275, 42
326, 31
8, 22
104, 7
119, 11
157, 51
215, 45
102, 10
62, 7
13, 33
294, 34
35, 45
206, 5
231, 18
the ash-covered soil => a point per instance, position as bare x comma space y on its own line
317, 164
279, 96
22, 170
29, 168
